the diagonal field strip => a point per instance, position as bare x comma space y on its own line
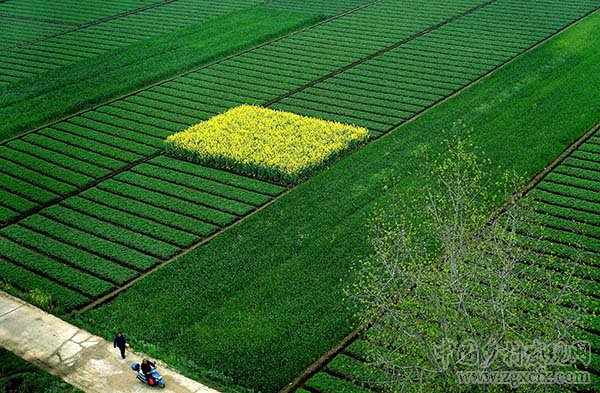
79, 26
37, 53
66, 157
378, 53
76, 356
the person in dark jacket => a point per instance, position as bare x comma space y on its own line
120, 342
147, 367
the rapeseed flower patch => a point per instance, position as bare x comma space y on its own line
266, 143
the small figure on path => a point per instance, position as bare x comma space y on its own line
120, 342
147, 368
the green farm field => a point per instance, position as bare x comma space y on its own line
18, 376
283, 308
247, 274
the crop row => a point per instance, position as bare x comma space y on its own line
108, 234
71, 11
64, 274
318, 7
16, 31
53, 52
162, 20
41, 166
433, 66
24, 280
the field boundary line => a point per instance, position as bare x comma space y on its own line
489, 73
47, 21
321, 362
182, 74
79, 190
89, 24
540, 176
380, 52
113, 294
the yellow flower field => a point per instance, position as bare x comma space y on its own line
266, 143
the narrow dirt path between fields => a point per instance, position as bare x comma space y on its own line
81, 359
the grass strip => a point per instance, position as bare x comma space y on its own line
32, 102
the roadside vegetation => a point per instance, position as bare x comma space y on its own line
18, 376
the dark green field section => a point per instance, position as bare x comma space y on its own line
19, 376
348, 372
87, 245
87, 204
14, 31
74, 31
74, 12
565, 214
265, 298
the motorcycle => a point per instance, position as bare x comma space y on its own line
156, 378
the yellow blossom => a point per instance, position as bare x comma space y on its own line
266, 143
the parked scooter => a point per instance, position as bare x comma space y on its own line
155, 377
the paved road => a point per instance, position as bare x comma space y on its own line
85, 361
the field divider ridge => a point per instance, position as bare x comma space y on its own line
113, 294
52, 22
379, 52
86, 25
78, 191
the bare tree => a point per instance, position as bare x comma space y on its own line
448, 290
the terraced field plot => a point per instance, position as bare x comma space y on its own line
86, 245
344, 69
38, 36
565, 211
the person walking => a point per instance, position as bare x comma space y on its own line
120, 342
